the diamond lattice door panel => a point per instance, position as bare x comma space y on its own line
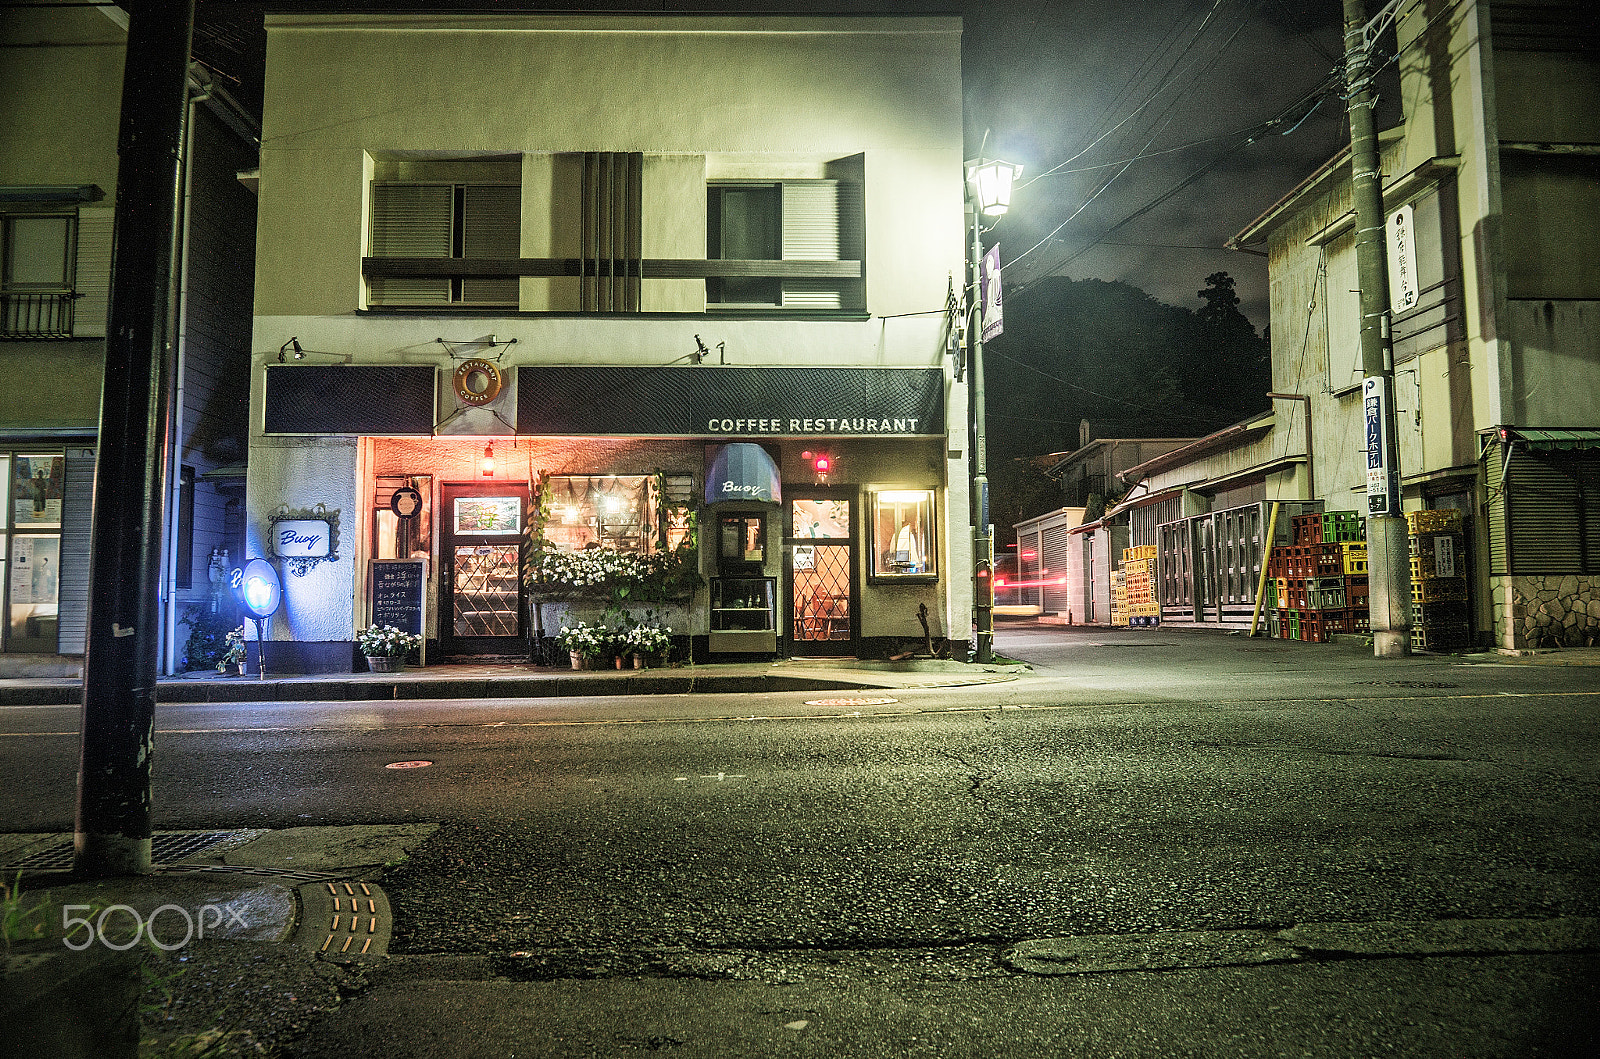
486, 597
822, 594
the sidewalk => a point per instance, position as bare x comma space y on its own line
530, 681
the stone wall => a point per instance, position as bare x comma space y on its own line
1550, 610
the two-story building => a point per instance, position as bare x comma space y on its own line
60, 91
539, 293
1491, 188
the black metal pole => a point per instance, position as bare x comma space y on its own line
119, 686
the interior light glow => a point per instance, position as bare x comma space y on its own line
257, 592
903, 496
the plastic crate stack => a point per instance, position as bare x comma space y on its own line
1318, 584
1438, 580
1119, 599
1139, 585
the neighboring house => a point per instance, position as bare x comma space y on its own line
1496, 330
1093, 468
657, 269
1040, 580
60, 90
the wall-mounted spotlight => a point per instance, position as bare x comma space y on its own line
292, 344
486, 465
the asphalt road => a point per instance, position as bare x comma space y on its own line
1135, 784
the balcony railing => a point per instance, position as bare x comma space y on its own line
36, 314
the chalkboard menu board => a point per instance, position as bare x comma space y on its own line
399, 594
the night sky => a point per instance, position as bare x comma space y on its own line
1083, 85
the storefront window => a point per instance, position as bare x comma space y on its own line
902, 533
32, 558
602, 511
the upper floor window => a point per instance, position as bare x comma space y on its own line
36, 273
459, 221
766, 225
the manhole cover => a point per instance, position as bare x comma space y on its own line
850, 702
408, 764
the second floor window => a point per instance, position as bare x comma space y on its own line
784, 221
36, 271
463, 221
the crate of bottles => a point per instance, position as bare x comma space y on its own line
1357, 594
1438, 589
1143, 551
1343, 526
1439, 612
1439, 637
1307, 529
1438, 554
1447, 520
1325, 593
1355, 558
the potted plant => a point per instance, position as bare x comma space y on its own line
648, 639
386, 647
232, 660
584, 643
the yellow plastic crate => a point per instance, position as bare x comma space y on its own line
1355, 558
1444, 521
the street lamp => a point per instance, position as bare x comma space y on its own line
988, 195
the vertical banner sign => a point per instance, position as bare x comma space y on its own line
399, 597
1403, 288
989, 282
1382, 492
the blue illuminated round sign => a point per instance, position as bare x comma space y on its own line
260, 590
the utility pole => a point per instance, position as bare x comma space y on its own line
1388, 550
119, 687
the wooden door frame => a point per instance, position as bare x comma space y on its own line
449, 642
842, 648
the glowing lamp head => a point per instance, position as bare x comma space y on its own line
991, 185
486, 465
257, 592
259, 588
821, 463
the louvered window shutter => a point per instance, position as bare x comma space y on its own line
1544, 516
411, 220
491, 228
92, 283
821, 222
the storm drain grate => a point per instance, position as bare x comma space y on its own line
164, 849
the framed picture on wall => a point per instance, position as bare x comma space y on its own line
36, 490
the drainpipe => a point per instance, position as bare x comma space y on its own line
1311, 465
180, 244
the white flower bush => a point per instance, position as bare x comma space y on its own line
648, 638
590, 641
386, 640
590, 567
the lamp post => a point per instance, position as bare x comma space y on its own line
988, 195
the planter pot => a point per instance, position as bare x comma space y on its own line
385, 663
232, 669
617, 661
638, 661
577, 660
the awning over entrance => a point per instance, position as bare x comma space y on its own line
743, 471
1565, 438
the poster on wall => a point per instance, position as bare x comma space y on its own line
488, 515
36, 490
5, 512
34, 565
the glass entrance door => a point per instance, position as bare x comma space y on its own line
480, 581
820, 539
